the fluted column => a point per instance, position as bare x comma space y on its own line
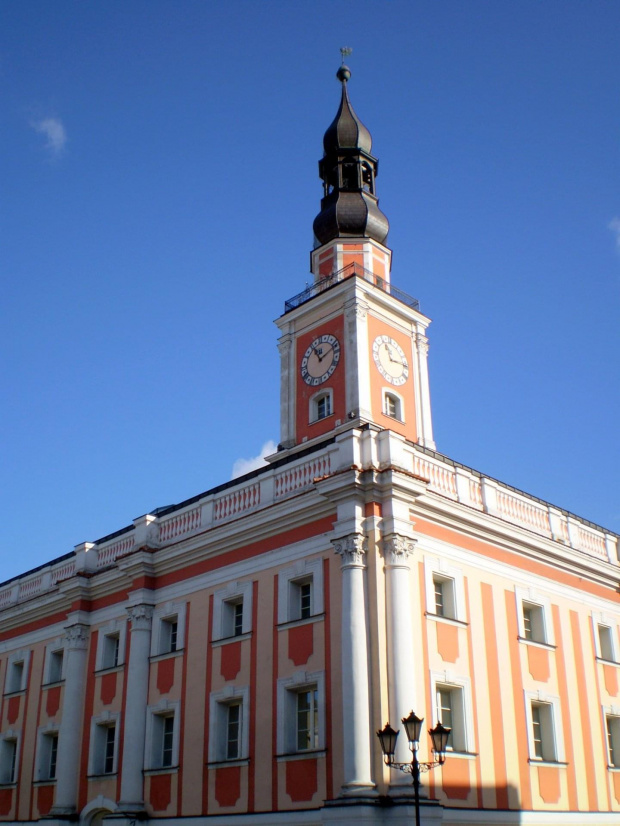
134, 719
70, 734
425, 394
355, 668
397, 552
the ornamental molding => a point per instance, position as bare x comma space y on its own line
285, 344
356, 310
141, 617
397, 549
76, 637
352, 548
422, 342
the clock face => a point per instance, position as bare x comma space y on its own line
391, 360
320, 360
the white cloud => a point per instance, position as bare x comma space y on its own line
55, 133
614, 226
242, 466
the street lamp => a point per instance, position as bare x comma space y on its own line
413, 726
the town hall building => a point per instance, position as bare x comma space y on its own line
229, 660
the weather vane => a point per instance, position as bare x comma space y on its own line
345, 51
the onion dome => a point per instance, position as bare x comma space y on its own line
349, 207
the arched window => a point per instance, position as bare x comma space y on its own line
321, 405
392, 406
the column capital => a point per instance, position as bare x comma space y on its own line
76, 637
352, 548
355, 308
422, 341
141, 617
397, 549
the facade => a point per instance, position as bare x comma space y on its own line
229, 659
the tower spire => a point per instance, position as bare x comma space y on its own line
349, 207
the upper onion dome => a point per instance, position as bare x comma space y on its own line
346, 130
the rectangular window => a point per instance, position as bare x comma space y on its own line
53, 755
323, 407
307, 720
108, 758
543, 734
534, 622
54, 674
167, 750
606, 643
111, 647
232, 617
301, 598
233, 731
613, 740
238, 629
8, 760
15, 677
168, 635
445, 600
451, 713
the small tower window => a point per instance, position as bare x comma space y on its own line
392, 406
323, 407
367, 178
349, 176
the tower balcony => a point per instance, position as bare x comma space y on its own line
350, 271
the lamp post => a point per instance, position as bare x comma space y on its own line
413, 726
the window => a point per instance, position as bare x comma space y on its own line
8, 759
307, 719
300, 591
612, 724
323, 406
445, 603
301, 713
445, 590
168, 629
104, 740
543, 738
392, 406
162, 735
450, 713
606, 643
111, 650
169, 635
533, 622
48, 755
228, 731
232, 610
54, 668
15, 677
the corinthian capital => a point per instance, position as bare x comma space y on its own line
397, 549
422, 343
76, 637
141, 617
352, 548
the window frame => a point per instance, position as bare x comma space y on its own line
219, 705
439, 570
611, 721
289, 599
223, 612
288, 691
116, 629
544, 625
388, 393
50, 674
462, 735
326, 393
163, 618
47, 735
13, 738
155, 730
552, 743
600, 621
12, 683
100, 725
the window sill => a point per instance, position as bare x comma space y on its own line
301, 755
167, 655
19, 693
613, 769
111, 669
51, 781
537, 644
102, 776
447, 620
221, 764
54, 684
603, 661
322, 419
462, 755
161, 770
294, 623
536, 761
225, 640
11, 785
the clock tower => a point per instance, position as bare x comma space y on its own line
353, 347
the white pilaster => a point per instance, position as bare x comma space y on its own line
397, 551
132, 790
426, 435
357, 358
287, 390
355, 668
70, 734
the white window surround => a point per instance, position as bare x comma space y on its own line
16, 679
222, 599
154, 732
612, 714
435, 568
303, 570
552, 725
532, 597
9, 756
219, 701
400, 404
115, 628
98, 729
56, 647
313, 402
44, 739
609, 622
463, 736
171, 611
287, 691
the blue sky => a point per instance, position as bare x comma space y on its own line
158, 168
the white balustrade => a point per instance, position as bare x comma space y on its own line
179, 524
107, 554
236, 502
296, 478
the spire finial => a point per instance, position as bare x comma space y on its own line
345, 51
344, 73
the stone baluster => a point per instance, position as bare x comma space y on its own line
70, 734
355, 668
132, 786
